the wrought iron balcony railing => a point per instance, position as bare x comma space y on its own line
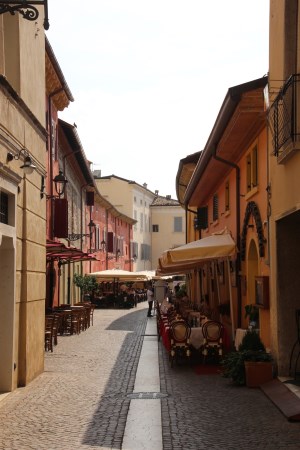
283, 115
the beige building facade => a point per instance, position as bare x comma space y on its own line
160, 220
134, 200
23, 214
168, 226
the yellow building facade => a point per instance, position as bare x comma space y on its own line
23, 214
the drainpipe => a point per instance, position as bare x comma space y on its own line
50, 96
238, 232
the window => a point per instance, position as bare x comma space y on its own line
155, 228
227, 201
145, 252
252, 169
3, 208
141, 221
201, 220
134, 250
177, 224
135, 218
215, 207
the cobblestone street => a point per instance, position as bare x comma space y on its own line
80, 401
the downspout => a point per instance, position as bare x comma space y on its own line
50, 96
106, 247
238, 232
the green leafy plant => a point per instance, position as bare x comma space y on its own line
87, 284
250, 349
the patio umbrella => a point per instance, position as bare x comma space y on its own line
118, 275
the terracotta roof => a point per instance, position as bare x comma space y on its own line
164, 201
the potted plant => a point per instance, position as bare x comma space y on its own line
251, 364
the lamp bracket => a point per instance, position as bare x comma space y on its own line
75, 237
26, 9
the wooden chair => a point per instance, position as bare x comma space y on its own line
180, 333
56, 326
213, 339
49, 319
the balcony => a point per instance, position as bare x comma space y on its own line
284, 121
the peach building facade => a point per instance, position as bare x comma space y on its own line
227, 193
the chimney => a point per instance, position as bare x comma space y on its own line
97, 173
168, 197
145, 185
156, 193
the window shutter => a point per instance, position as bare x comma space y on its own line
61, 218
110, 241
90, 198
201, 221
215, 207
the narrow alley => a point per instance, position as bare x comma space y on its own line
82, 399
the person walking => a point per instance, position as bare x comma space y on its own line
150, 296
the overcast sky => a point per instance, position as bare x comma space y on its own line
149, 76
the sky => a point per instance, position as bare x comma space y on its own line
149, 76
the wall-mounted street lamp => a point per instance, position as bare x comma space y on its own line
60, 183
134, 257
103, 246
28, 166
26, 9
76, 236
118, 252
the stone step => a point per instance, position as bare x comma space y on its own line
285, 400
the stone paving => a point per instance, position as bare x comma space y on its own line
80, 401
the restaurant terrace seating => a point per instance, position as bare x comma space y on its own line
213, 339
67, 320
49, 319
180, 345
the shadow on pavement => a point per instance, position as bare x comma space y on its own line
107, 426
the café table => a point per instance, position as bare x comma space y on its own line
239, 334
196, 337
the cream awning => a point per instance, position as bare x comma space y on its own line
118, 274
190, 256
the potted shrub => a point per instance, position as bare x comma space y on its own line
251, 364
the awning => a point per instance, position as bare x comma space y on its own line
190, 256
118, 274
57, 251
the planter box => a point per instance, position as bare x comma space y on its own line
258, 373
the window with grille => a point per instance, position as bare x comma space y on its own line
155, 228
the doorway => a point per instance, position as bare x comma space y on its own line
7, 308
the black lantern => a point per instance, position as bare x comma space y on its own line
60, 182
